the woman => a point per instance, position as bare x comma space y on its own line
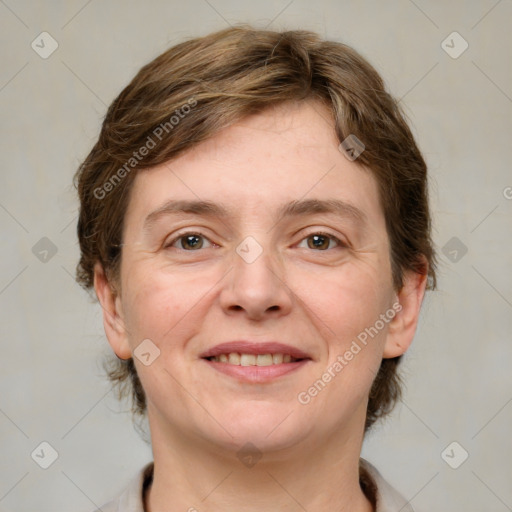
255, 223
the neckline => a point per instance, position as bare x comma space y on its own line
366, 481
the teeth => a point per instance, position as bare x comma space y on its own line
237, 359
234, 358
247, 359
264, 360
277, 358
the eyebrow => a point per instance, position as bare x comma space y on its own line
297, 208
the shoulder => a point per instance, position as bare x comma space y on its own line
130, 500
387, 497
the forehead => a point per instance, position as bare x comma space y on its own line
286, 154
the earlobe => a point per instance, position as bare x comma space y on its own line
403, 326
113, 321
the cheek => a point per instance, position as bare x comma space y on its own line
154, 303
167, 307
344, 302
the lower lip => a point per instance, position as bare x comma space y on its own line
257, 373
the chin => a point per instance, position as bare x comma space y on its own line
269, 427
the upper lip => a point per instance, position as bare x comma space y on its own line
249, 347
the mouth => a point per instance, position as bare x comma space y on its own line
236, 359
255, 362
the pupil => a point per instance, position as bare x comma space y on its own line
192, 237
318, 238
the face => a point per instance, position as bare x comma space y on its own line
283, 259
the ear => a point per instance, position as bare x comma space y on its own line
403, 326
113, 321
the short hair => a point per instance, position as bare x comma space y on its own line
198, 87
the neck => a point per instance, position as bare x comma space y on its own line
191, 475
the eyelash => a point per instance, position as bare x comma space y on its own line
188, 233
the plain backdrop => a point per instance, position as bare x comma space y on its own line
459, 384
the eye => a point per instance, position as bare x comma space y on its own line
192, 241
321, 241
188, 241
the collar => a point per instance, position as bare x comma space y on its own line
386, 497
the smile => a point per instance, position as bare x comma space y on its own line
255, 369
237, 359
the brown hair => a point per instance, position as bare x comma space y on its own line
194, 89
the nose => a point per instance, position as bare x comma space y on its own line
257, 287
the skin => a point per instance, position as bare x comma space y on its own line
318, 299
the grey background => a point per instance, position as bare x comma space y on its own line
458, 379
